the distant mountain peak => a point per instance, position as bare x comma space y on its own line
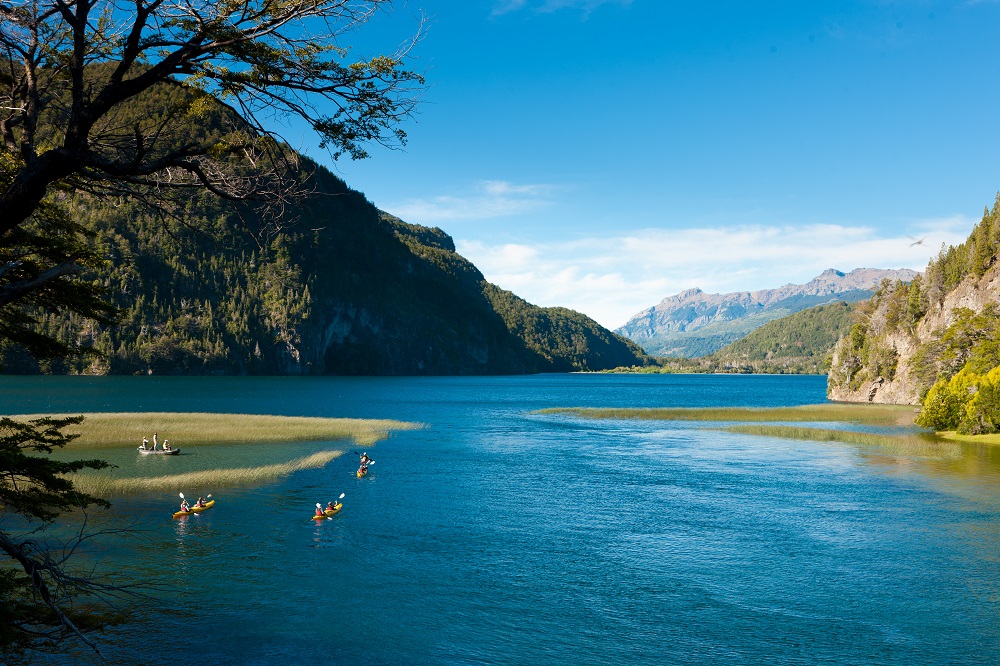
718, 319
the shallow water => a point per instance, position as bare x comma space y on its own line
497, 535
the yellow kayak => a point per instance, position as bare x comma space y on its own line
199, 509
194, 509
329, 512
362, 472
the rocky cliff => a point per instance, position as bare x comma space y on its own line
898, 357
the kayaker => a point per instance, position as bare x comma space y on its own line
365, 460
330, 506
200, 503
319, 512
185, 506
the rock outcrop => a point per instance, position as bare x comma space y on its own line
905, 385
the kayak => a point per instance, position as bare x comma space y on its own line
159, 452
199, 509
329, 512
362, 471
194, 509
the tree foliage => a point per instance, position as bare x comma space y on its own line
38, 591
969, 402
71, 69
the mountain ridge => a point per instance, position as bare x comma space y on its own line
693, 323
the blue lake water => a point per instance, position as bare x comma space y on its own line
497, 535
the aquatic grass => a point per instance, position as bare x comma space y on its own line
106, 430
852, 413
105, 485
922, 444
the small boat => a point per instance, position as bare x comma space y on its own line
362, 471
329, 512
199, 509
159, 452
195, 509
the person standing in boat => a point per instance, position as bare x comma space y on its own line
155, 442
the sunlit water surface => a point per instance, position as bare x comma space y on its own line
497, 535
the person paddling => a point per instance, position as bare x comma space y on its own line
319, 512
185, 506
200, 503
330, 506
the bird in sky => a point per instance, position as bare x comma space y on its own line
917, 242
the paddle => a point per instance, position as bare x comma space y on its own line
182, 497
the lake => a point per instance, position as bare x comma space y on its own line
498, 535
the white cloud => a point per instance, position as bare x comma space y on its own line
548, 6
613, 278
487, 199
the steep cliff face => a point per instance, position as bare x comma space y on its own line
693, 323
897, 355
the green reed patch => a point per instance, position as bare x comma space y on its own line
106, 485
107, 430
842, 412
919, 444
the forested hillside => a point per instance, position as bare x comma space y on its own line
799, 343
332, 286
935, 340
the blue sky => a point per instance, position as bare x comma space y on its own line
604, 154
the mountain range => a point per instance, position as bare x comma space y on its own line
693, 323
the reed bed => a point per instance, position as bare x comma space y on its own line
921, 444
850, 413
108, 430
105, 485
